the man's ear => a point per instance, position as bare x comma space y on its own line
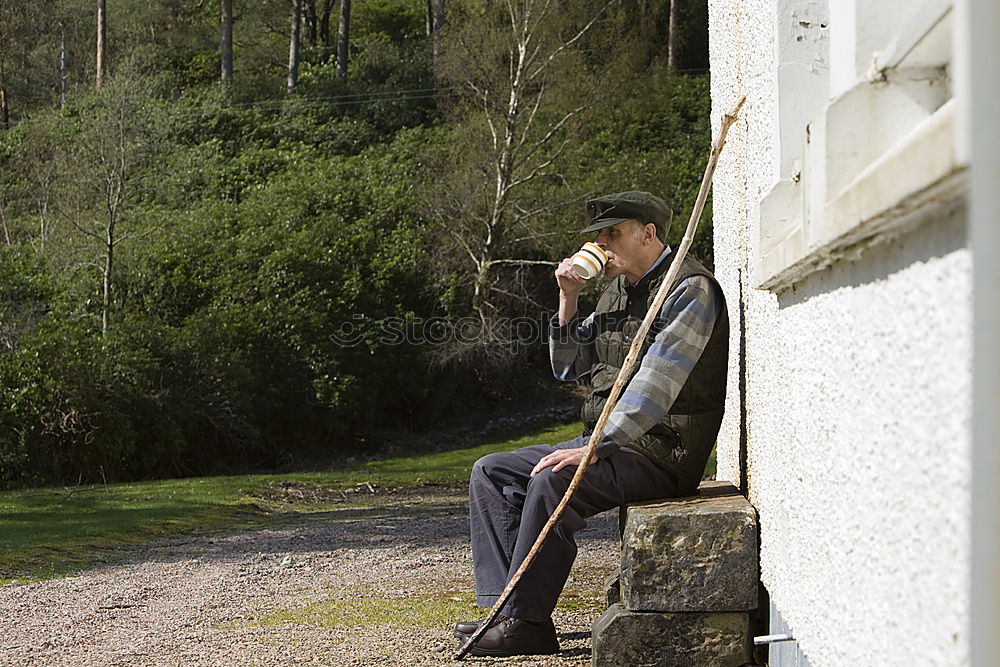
648, 234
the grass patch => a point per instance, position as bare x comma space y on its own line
355, 609
50, 532
449, 467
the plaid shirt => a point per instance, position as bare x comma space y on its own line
688, 315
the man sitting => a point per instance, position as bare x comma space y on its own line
655, 444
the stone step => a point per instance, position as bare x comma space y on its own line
623, 638
692, 554
612, 589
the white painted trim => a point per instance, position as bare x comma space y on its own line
982, 27
920, 25
922, 170
877, 151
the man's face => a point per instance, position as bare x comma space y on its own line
623, 243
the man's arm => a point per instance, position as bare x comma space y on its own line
689, 316
569, 356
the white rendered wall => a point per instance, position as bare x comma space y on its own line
857, 396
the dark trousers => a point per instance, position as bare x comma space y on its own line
508, 508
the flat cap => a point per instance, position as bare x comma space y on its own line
632, 205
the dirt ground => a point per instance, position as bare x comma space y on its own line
378, 584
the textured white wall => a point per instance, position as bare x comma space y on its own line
857, 403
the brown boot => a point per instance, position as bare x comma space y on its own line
513, 636
465, 628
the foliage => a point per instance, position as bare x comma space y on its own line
198, 278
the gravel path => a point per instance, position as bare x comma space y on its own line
268, 596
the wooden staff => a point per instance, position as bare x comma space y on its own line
620, 382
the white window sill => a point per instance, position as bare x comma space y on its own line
803, 228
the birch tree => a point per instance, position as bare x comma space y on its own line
521, 73
105, 168
436, 24
294, 46
673, 32
102, 40
343, 39
226, 40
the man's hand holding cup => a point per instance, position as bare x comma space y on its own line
574, 272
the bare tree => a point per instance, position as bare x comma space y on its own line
343, 39
512, 69
63, 66
226, 40
311, 20
437, 23
3, 207
324, 24
8, 26
4, 109
673, 31
102, 174
294, 44
102, 39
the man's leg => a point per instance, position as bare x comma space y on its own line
497, 489
623, 477
508, 507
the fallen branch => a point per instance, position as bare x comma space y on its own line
73, 490
623, 375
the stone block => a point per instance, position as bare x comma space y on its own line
612, 590
697, 553
623, 638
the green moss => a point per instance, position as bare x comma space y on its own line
585, 590
356, 609
573, 601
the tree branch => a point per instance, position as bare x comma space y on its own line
520, 262
521, 297
551, 133
573, 40
486, 111
534, 173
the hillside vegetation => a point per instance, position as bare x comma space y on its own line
201, 276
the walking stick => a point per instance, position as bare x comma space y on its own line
623, 374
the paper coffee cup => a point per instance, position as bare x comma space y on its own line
589, 260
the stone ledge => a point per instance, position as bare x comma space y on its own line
623, 638
612, 590
691, 554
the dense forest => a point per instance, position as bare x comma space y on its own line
237, 234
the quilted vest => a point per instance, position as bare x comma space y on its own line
682, 442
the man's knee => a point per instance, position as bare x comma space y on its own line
488, 465
550, 483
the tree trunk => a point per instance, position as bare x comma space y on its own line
4, 110
309, 9
226, 40
343, 39
429, 17
109, 257
436, 26
3, 221
293, 46
643, 19
63, 66
102, 39
672, 33
324, 25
